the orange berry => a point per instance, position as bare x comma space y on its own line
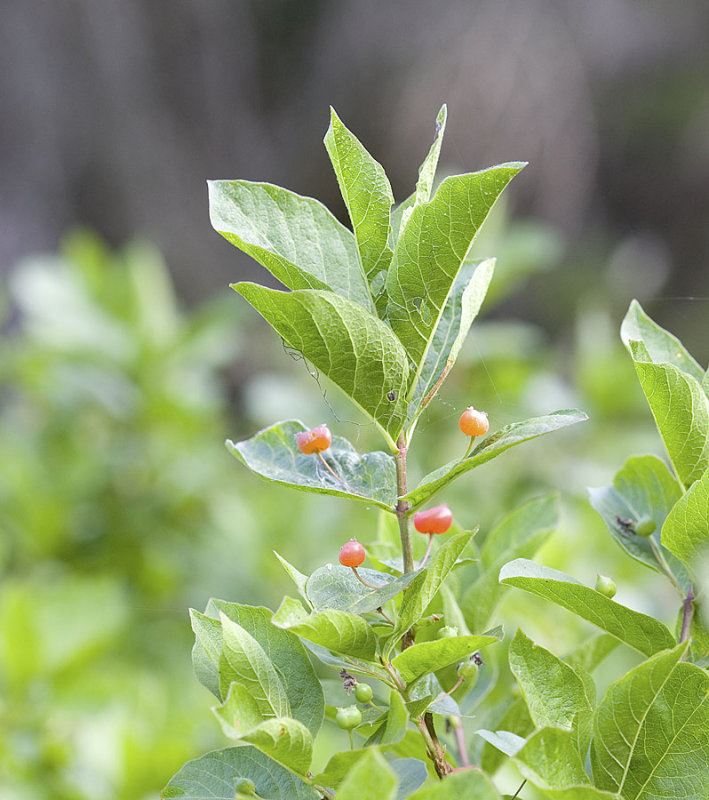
352, 554
315, 440
473, 423
433, 520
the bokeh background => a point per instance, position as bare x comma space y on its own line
125, 362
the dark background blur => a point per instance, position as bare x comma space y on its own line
115, 113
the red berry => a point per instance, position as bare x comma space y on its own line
352, 554
434, 520
473, 423
315, 440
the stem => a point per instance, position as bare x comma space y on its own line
519, 790
428, 551
687, 612
402, 507
470, 447
460, 741
351, 739
386, 616
665, 566
362, 580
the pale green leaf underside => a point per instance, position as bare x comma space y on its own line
461, 308
431, 249
354, 349
420, 659
490, 448
651, 732
662, 346
296, 238
283, 649
426, 584
367, 194
214, 775
244, 660
273, 454
555, 694
681, 411
686, 529
334, 586
239, 713
644, 487
638, 630
471, 784
339, 631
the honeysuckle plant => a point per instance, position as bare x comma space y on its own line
382, 309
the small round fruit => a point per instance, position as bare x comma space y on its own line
352, 554
363, 692
315, 440
474, 423
447, 632
434, 520
245, 786
467, 670
605, 585
348, 718
645, 526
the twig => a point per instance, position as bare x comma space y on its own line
519, 790
687, 613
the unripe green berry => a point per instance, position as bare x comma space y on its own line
447, 632
645, 526
467, 670
605, 585
245, 786
363, 692
348, 718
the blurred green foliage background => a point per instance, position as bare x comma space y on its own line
119, 506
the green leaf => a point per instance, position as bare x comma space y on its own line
555, 694
239, 713
580, 793
686, 529
214, 776
244, 660
430, 252
367, 194
354, 349
338, 631
426, 584
471, 784
681, 411
592, 652
662, 346
396, 720
644, 487
457, 316
491, 447
296, 238
420, 659
519, 534
339, 766
550, 759
335, 586
505, 741
370, 778
514, 720
651, 736
285, 740
296, 576
206, 651
427, 170
638, 630
273, 454
283, 649
411, 772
